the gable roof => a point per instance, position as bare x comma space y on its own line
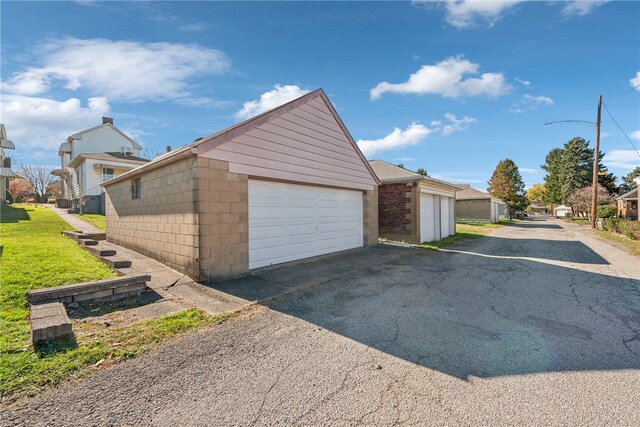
469, 193
210, 142
389, 173
633, 194
79, 135
110, 156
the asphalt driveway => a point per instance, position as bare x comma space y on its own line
538, 324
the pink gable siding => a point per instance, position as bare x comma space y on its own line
302, 144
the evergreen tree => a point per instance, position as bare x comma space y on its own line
506, 184
570, 168
576, 167
553, 179
627, 181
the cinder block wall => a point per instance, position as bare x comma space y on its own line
370, 220
397, 212
473, 210
223, 204
163, 222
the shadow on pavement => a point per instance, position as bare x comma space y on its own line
462, 313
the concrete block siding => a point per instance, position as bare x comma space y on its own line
163, 222
223, 206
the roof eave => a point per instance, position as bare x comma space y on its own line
187, 151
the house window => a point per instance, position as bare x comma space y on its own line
136, 188
107, 173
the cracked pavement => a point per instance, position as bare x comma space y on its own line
536, 324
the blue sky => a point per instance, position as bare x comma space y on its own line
453, 87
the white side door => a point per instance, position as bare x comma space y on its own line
427, 218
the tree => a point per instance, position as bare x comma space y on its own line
553, 179
422, 171
537, 193
19, 187
506, 184
39, 176
401, 165
580, 199
627, 181
570, 168
576, 167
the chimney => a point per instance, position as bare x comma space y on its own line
106, 120
168, 148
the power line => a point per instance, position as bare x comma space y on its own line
625, 92
623, 132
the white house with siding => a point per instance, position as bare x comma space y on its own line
90, 157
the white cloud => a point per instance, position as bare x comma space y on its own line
121, 70
456, 124
528, 170
624, 159
414, 134
581, 7
635, 135
269, 100
530, 102
635, 82
523, 82
41, 125
470, 13
194, 26
450, 79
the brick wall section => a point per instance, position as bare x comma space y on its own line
162, 223
223, 204
473, 210
397, 212
370, 220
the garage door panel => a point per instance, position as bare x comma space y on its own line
427, 220
289, 222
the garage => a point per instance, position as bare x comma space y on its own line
413, 207
289, 222
285, 185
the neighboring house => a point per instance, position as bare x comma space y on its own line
91, 157
288, 184
413, 208
537, 208
562, 211
477, 206
5, 163
628, 205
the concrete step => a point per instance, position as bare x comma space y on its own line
78, 235
88, 242
115, 262
49, 321
100, 250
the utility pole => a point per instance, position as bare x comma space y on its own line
596, 161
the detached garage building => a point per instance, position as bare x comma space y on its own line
285, 185
477, 206
413, 208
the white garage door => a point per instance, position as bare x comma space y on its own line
289, 222
427, 218
445, 217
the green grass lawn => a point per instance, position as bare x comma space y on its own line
96, 220
35, 255
465, 231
